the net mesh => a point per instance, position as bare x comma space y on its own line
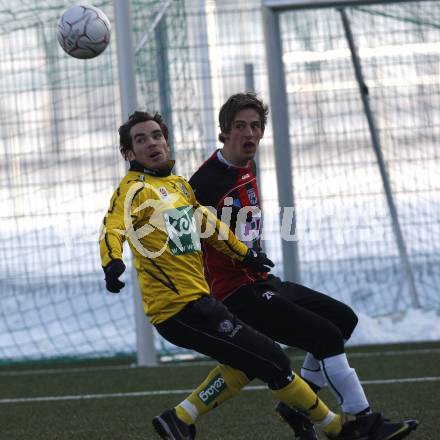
60, 163
338, 187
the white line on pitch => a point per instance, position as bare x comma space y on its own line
394, 352
185, 391
62, 370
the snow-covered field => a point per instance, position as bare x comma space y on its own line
77, 317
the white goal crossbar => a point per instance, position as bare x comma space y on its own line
280, 5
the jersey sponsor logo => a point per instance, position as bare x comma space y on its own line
182, 230
163, 192
212, 390
245, 176
252, 196
183, 189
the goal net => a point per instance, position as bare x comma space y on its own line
60, 163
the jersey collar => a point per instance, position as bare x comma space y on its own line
136, 166
223, 160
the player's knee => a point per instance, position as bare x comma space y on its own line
330, 343
350, 322
277, 371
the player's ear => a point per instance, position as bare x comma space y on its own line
130, 155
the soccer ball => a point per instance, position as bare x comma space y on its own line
83, 31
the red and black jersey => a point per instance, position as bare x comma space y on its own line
233, 193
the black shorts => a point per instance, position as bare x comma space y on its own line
295, 315
208, 327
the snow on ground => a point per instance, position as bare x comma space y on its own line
412, 326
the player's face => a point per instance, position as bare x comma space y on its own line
242, 141
150, 148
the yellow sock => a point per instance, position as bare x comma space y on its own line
300, 396
221, 384
332, 428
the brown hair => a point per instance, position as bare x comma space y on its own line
234, 105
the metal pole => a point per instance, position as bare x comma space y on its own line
56, 108
163, 73
157, 19
281, 138
207, 116
380, 161
289, 5
146, 354
249, 79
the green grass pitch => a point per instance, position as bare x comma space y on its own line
107, 399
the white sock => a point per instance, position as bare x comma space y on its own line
311, 371
344, 383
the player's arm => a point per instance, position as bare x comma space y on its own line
224, 240
219, 235
112, 237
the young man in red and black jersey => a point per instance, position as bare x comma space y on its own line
289, 313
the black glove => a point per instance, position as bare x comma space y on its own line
257, 261
113, 271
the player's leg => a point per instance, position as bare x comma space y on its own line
285, 321
209, 328
271, 314
330, 369
337, 312
288, 322
222, 383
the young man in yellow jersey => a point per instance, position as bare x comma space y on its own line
157, 211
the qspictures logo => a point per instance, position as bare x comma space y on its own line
181, 228
212, 390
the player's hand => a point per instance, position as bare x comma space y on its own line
113, 271
257, 261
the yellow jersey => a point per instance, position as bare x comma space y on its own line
159, 215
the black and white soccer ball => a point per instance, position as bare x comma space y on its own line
83, 31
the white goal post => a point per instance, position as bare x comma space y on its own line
145, 350
271, 10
